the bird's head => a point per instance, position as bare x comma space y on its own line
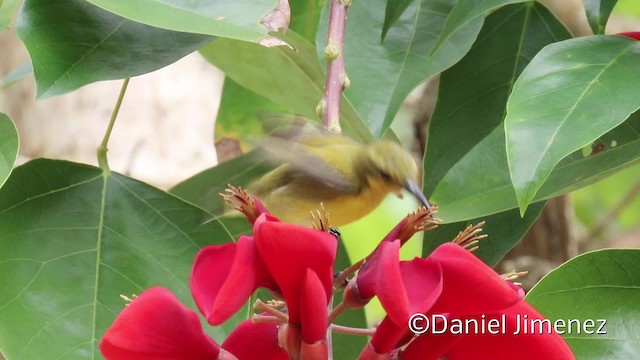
388, 163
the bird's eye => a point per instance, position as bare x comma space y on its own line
385, 176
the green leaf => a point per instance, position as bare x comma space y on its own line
8, 11
395, 8
239, 114
21, 72
570, 94
240, 19
305, 15
73, 43
9, 146
203, 189
292, 78
618, 149
466, 12
604, 285
465, 162
504, 231
72, 239
383, 73
598, 12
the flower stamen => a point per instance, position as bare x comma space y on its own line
259, 305
422, 219
238, 199
513, 275
320, 219
470, 237
128, 300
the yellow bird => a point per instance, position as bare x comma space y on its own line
348, 178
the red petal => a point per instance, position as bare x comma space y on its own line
157, 326
423, 281
225, 276
249, 341
506, 345
469, 285
313, 313
288, 250
387, 336
633, 35
390, 287
509, 345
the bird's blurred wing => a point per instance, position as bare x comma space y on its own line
302, 158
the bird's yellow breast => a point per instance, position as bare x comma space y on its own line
342, 209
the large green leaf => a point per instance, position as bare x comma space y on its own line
239, 19
462, 199
464, 13
603, 285
465, 157
203, 189
504, 231
393, 11
570, 94
72, 239
9, 146
289, 77
429, 37
8, 10
598, 12
73, 43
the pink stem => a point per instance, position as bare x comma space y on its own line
337, 79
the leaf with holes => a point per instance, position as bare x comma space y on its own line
73, 43
569, 95
597, 288
72, 239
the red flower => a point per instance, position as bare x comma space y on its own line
632, 35
450, 281
249, 341
288, 250
294, 261
510, 342
224, 277
157, 326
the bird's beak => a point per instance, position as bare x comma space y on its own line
415, 190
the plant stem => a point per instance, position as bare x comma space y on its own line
102, 149
352, 331
337, 79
